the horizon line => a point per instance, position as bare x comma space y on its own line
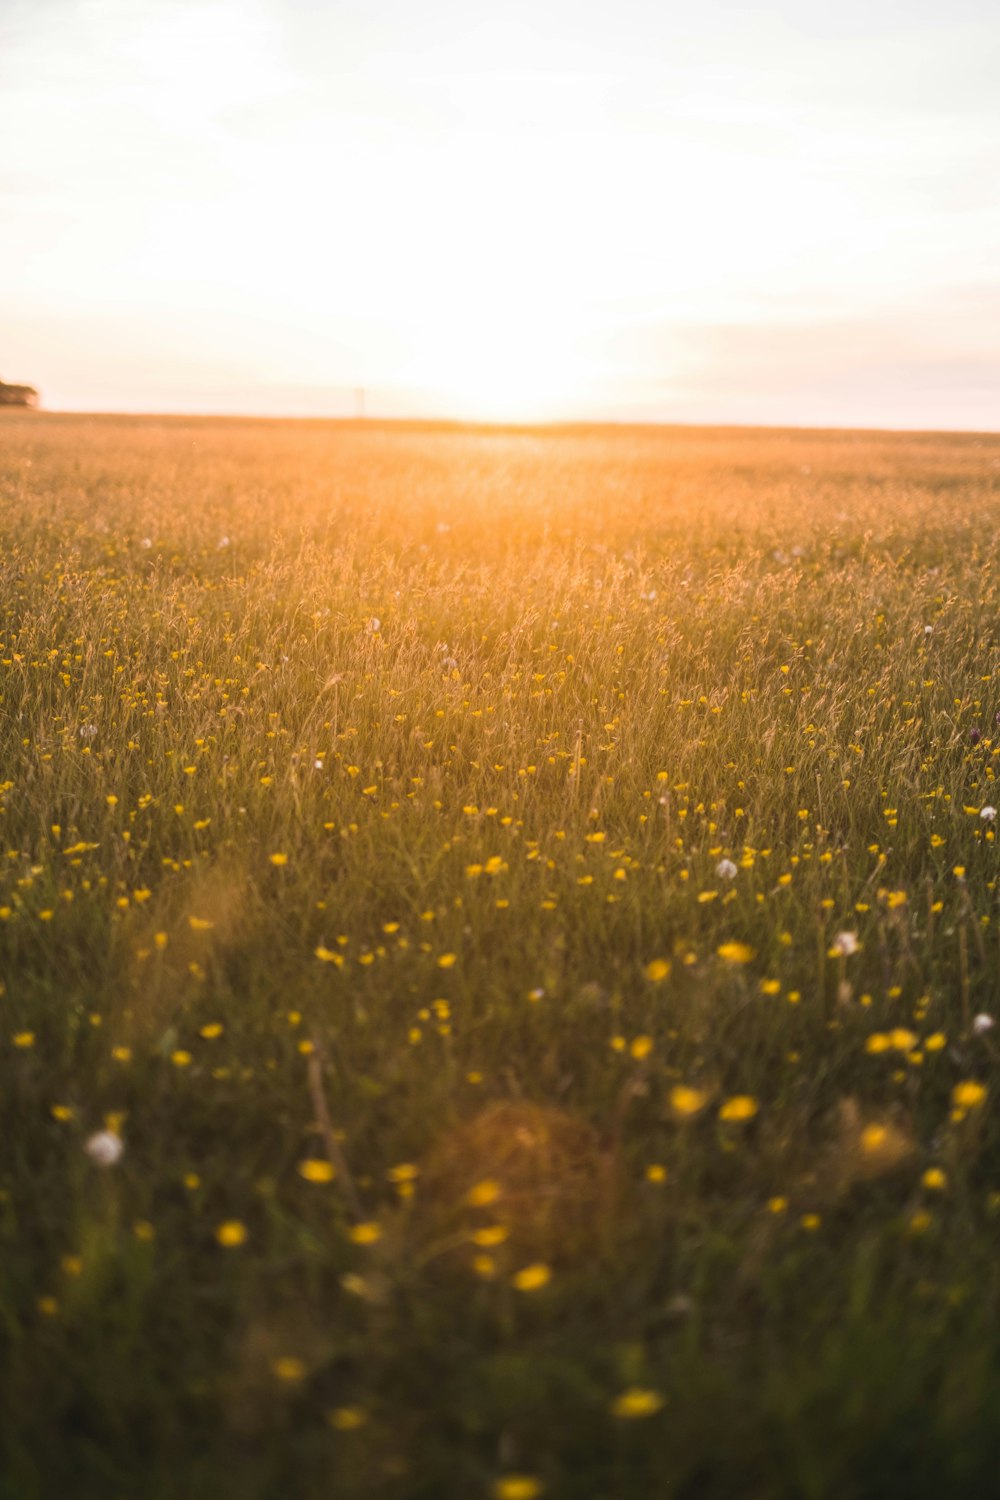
498, 425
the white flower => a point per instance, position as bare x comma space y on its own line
928, 630
223, 542
147, 542
725, 870
846, 943
317, 765
982, 1024
988, 814
88, 731
105, 1148
374, 624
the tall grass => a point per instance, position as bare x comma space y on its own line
526, 904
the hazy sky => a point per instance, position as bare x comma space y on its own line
711, 211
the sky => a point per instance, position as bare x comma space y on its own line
655, 210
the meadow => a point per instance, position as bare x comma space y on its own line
499, 942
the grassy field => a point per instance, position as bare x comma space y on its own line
499, 932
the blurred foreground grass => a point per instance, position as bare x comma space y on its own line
520, 911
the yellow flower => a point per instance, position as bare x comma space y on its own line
447, 960
641, 1047
636, 1402
61, 1112
211, 1031
517, 1487
777, 1205
347, 1418
200, 924
24, 1039
532, 1278
736, 953
810, 1221
739, 1107
656, 1173
934, 1180
483, 1193
968, 1095
288, 1367
329, 956
686, 1101
279, 860
314, 1169
493, 1234
180, 1058
405, 1171
657, 969
368, 1233
231, 1234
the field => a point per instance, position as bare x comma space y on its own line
499, 936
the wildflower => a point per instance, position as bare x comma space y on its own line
483, 1193
491, 1236
24, 1039
982, 1024
968, 1095
447, 960
641, 1047
347, 1418
657, 969
777, 1205
810, 1222
685, 1101
231, 1234
740, 1107
656, 1173
736, 953
725, 870
988, 814
636, 1402
180, 1058
845, 943
287, 1367
934, 1180
920, 1222
105, 1147
532, 1278
368, 1233
329, 956
315, 1169
278, 860
517, 1487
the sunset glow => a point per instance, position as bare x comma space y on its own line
529, 211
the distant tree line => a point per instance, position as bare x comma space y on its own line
17, 395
